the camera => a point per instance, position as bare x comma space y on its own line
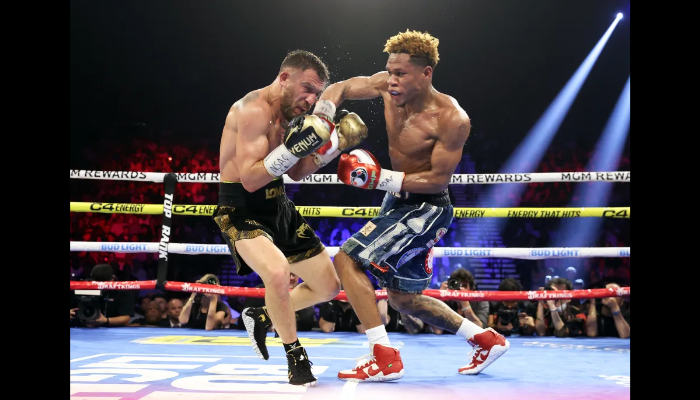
576, 327
454, 284
209, 279
507, 316
89, 304
547, 279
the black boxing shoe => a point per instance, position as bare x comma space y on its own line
257, 322
300, 368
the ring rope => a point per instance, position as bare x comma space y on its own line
457, 179
363, 212
525, 253
463, 295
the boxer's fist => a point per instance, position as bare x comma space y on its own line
306, 133
361, 169
349, 131
350, 128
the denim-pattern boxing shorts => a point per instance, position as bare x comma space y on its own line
397, 245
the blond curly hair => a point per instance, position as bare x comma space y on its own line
421, 45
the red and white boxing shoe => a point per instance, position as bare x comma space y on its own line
488, 346
385, 365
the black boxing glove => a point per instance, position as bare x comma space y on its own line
305, 134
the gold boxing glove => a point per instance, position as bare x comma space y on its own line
349, 131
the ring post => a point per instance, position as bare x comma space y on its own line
170, 181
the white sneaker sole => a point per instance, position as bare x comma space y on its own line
380, 377
496, 352
250, 328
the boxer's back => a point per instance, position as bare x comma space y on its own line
227, 149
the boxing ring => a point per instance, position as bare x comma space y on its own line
161, 364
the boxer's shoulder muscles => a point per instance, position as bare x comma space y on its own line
253, 124
365, 87
455, 124
250, 97
453, 132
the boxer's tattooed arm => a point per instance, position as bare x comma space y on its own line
429, 310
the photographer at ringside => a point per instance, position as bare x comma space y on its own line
560, 317
512, 317
204, 310
609, 316
111, 308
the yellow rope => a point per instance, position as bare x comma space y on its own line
363, 212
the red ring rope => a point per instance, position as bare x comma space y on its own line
381, 294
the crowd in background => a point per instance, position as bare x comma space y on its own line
157, 154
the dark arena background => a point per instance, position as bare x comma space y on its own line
541, 197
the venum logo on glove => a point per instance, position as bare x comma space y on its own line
300, 148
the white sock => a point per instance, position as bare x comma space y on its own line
377, 335
468, 329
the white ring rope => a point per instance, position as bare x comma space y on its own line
457, 179
528, 253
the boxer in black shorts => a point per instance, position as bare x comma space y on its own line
266, 212
268, 133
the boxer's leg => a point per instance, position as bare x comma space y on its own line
250, 241
320, 281
360, 294
431, 311
308, 259
268, 261
413, 275
379, 247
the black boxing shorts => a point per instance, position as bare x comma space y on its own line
266, 212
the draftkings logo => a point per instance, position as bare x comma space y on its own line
101, 285
532, 295
186, 287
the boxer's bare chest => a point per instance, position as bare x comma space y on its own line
411, 138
